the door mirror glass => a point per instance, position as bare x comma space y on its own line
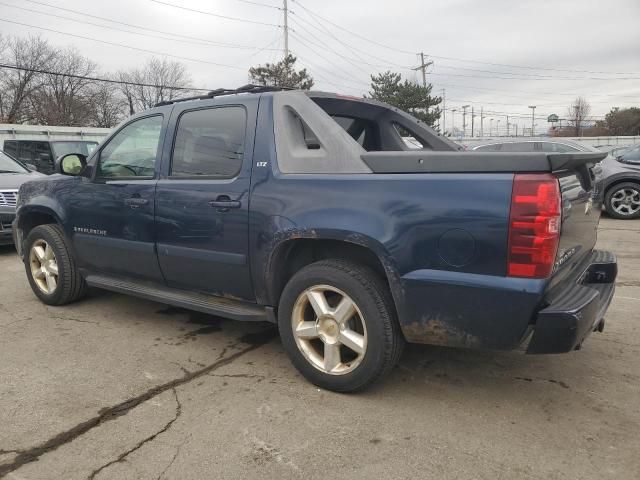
71, 164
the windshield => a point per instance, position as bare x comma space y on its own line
63, 148
631, 155
9, 165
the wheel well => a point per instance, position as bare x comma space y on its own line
33, 219
296, 254
621, 180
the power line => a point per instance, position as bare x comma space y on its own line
303, 42
197, 60
85, 22
349, 31
211, 14
98, 79
530, 67
353, 49
259, 4
325, 45
205, 40
526, 76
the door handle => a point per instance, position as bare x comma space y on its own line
135, 202
224, 203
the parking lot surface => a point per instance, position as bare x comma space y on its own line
117, 387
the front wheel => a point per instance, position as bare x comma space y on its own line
50, 267
338, 325
623, 201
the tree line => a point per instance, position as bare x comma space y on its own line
34, 92
60, 86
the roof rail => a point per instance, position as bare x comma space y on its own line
250, 88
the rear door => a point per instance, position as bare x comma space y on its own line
202, 199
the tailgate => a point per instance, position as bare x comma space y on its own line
581, 209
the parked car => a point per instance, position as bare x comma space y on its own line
12, 175
621, 184
532, 144
42, 153
309, 210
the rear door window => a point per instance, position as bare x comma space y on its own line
209, 143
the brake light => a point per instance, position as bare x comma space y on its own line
534, 225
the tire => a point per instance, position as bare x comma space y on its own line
622, 201
364, 337
47, 255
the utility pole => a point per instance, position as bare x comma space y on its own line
464, 120
533, 117
507, 125
481, 122
286, 29
473, 116
444, 111
516, 129
453, 120
491, 127
423, 67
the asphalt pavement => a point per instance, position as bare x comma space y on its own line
121, 388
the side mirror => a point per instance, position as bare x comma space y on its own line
31, 167
71, 164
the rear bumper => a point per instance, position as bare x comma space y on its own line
502, 313
577, 311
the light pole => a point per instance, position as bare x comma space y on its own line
491, 127
533, 117
498, 129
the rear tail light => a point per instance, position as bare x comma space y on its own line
534, 225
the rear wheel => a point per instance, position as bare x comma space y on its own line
337, 324
623, 201
51, 270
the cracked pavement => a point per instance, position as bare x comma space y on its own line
115, 387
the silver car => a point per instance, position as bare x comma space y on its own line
621, 183
12, 175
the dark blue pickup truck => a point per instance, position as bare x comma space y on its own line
347, 222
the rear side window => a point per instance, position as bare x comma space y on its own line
209, 142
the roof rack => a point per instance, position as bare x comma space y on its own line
250, 88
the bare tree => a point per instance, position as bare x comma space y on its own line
65, 96
157, 81
577, 114
108, 106
16, 86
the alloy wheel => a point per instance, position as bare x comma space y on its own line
626, 201
329, 329
44, 266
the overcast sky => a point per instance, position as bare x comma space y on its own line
579, 47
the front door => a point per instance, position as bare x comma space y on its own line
202, 201
113, 213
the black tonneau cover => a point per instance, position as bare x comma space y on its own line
423, 161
